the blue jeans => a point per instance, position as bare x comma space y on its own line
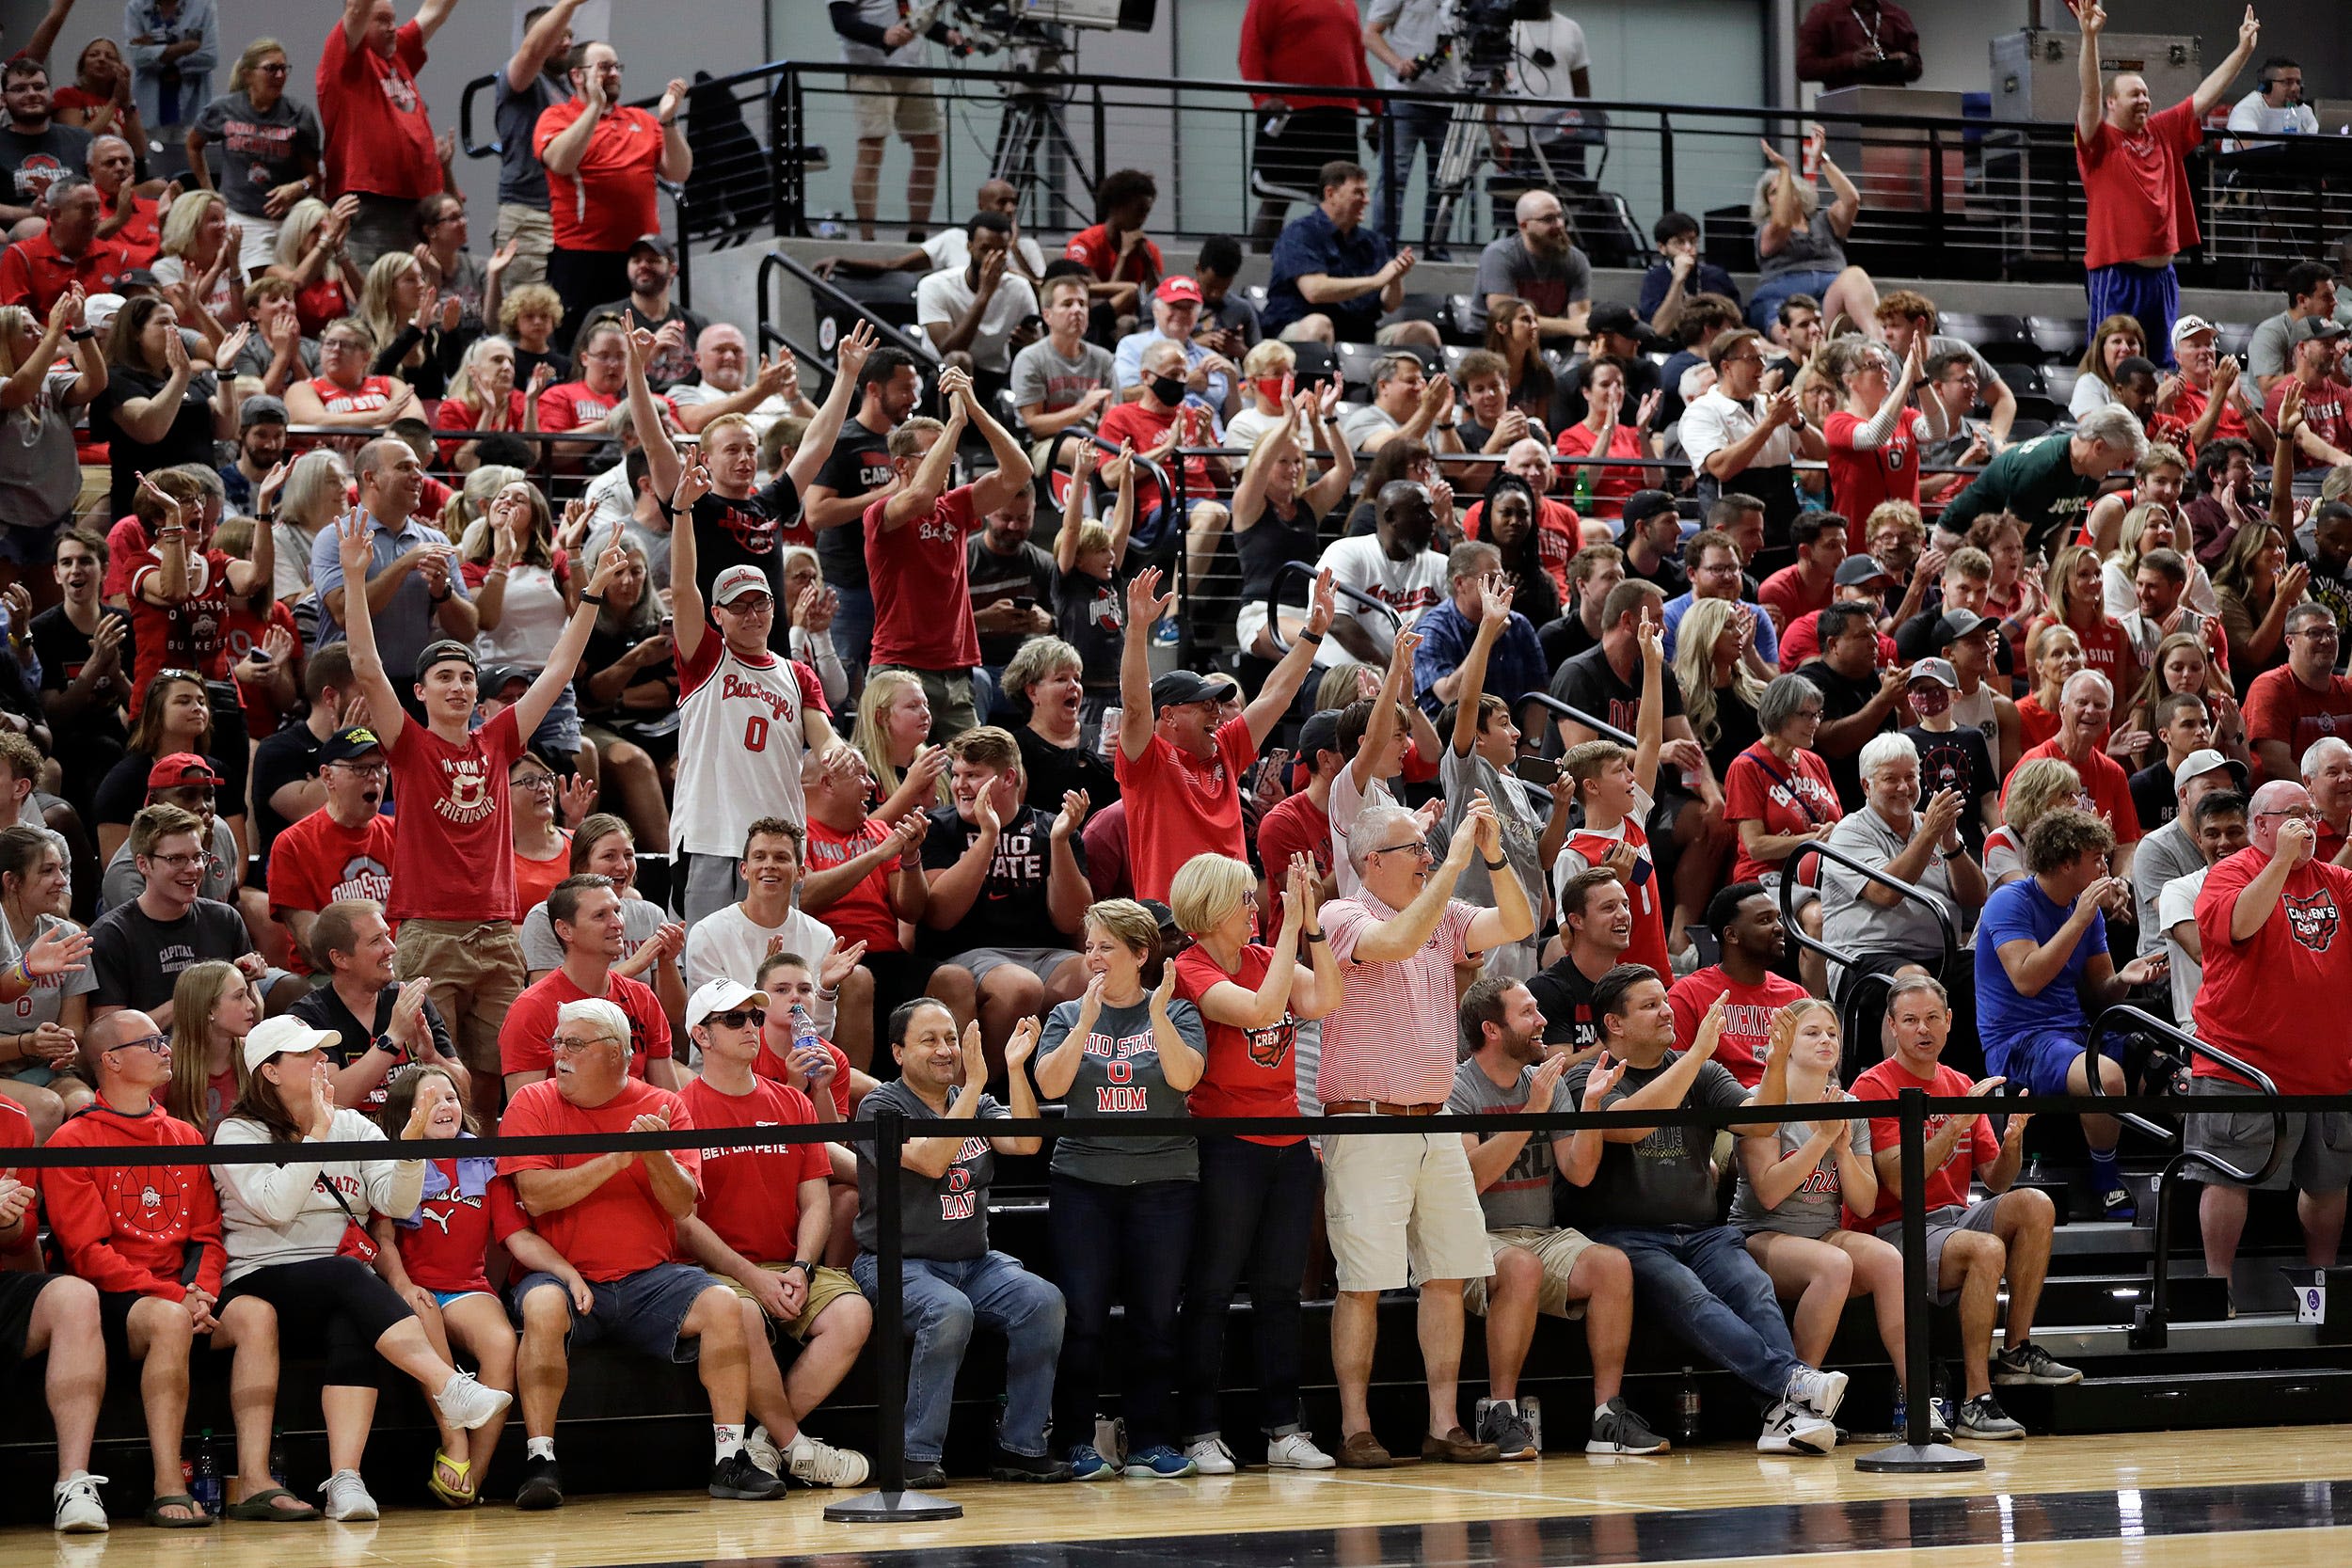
1131, 1242
1764, 305
853, 630
1714, 1297
943, 1302
1256, 1215
1414, 130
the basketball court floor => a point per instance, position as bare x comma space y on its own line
2266, 1497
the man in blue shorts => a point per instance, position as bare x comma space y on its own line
2041, 957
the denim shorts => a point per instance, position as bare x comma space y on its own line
644, 1312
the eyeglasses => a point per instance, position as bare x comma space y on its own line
2306, 813
603, 355
738, 1018
365, 769
278, 69
1812, 712
1418, 849
1744, 359
563, 1046
1249, 899
179, 863
157, 1044
538, 784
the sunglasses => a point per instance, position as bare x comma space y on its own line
738, 1018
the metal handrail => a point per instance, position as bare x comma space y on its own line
776, 261
1789, 879
1289, 569
1577, 715
2151, 1324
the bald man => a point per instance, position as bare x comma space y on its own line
2270, 922
723, 384
1538, 263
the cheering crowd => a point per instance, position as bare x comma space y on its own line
335, 744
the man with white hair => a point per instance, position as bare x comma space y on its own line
724, 385
2085, 705
2050, 480
1406, 404
613, 1221
1916, 842
1540, 265
1175, 312
1391, 1202
2328, 774
36, 271
2271, 924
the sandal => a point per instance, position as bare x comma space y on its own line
453, 1497
194, 1518
261, 1508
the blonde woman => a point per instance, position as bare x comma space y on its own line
1800, 245
201, 246
41, 481
894, 726
1719, 694
483, 396
316, 492
2040, 785
410, 322
262, 176
2150, 526
312, 255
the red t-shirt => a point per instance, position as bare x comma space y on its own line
141, 239
34, 272
1860, 480
242, 631
373, 392
2136, 194
379, 136
1793, 797
318, 861
2109, 786
2258, 997
1947, 1185
530, 1022
921, 579
1180, 805
2327, 410
1801, 643
449, 1246
1785, 591
2280, 707
535, 879
620, 1229
1249, 1072
454, 414
1096, 249
2189, 407
751, 1193
777, 1070
2035, 724
1648, 945
610, 201
863, 914
1610, 486
1558, 537
1747, 1037
1147, 428
1307, 42
2105, 649
575, 404
1294, 825
190, 635
454, 859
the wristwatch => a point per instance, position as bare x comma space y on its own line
808, 1269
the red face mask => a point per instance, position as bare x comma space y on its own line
1269, 388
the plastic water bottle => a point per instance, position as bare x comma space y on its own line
804, 1036
204, 1485
1687, 1410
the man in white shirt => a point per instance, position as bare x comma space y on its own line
2220, 832
2274, 107
951, 247
1393, 565
732, 941
1549, 62
722, 360
976, 311
1739, 439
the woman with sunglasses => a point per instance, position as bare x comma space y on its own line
297, 1237
270, 163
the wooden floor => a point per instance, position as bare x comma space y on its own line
2256, 1496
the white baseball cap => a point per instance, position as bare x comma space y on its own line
722, 995
736, 581
275, 1037
2188, 326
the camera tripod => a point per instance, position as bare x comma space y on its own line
1467, 148
1034, 152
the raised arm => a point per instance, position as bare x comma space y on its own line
2209, 92
356, 551
1650, 720
661, 459
539, 44
2091, 18
1395, 686
930, 480
1146, 604
431, 15
1012, 472
1281, 685
850, 356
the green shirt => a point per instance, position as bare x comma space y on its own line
2036, 481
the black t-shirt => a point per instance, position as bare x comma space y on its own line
1052, 770
749, 532
35, 160
1564, 638
1011, 910
606, 648
1842, 699
528, 360
1957, 759
323, 1009
1566, 997
1025, 574
289, 756
1670, 579
188, 440
1736, 729
2154, 797
1589, 682
137, 960
1090, 615
91, 742
858, 464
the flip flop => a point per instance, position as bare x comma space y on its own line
261, 1508
196, 1518
450, 1495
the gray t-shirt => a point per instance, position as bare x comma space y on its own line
249, 150
944, 1219
42, 1004
1521, 1196
1119, 1076
1041, 374
1553, 283
1668, 1179
2267, 351
122, 883
640, 920
1414, 29
1812, 1210
38, 479
1851, 921
522, 178
1522, 824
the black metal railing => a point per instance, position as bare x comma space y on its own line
1859, 985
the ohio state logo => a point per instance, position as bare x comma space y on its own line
2313, 920
1268, 1047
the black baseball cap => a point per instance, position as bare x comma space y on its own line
1179, 687
442, 652
344, 745
1641, 506
1957, 624
1320, 732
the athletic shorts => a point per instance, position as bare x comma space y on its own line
2316, 1156
1943, 1225
644, 1312
825, 1287
1556, 1247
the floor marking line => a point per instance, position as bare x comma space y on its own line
1489, 1491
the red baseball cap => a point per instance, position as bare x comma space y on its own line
1178, 291
181, 769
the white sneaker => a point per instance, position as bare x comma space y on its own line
469, 1404
1775, 1438
1211, 1457
347, 1498
1296, 1451
764, 1451
1817, 1392
1810, 1434
822, 1464
78, 1510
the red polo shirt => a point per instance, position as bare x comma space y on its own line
34, 272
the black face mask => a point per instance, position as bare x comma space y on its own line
1167, 389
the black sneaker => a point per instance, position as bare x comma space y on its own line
930, 1480
1043, 1468
738, 1478
542, 1486
1507, 1429
1618, 1429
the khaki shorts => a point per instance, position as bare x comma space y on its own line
476, 970
1401, 1209
1556, 1248
825, 1287
887, 103
533, 233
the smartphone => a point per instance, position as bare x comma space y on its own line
1538, 770
1024, 603
669, 625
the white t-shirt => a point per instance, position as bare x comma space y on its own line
763, 416
1715, 421
1408, 587
1364, 421
2176, 903
1346, 804
943, 296
530, 623
725, 942
951, 250
1564, 40
2251, 112
640, 919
